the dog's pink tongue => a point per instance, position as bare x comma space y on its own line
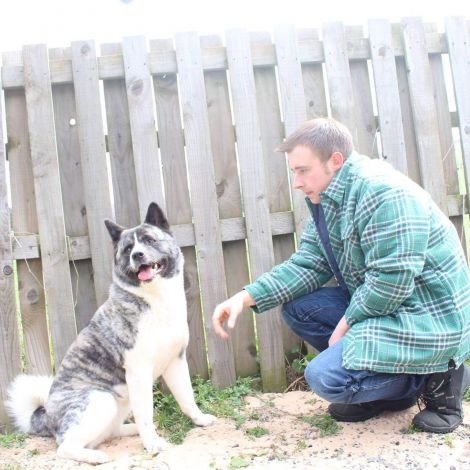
145, 274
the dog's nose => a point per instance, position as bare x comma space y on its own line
137, 255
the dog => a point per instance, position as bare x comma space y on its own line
139, 334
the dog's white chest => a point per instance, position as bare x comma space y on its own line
162, 332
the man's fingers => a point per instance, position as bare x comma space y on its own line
218, 320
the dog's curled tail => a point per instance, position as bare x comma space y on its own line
26, 397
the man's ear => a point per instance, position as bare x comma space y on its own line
114, 230
337, 160
155, 216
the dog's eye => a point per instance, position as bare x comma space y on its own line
128, 249
148, 240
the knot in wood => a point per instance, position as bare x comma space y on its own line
85, 49
7, 270
220, 188
137, 86
32, 296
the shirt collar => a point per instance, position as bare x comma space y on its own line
335, 189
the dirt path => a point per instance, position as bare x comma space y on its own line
380, 443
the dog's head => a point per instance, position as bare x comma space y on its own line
147, 251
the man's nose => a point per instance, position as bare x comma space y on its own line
296, 182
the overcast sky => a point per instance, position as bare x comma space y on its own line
58, 22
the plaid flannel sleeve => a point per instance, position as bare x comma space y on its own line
306, 270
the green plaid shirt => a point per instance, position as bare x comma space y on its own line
403, 264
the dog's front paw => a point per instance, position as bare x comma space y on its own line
204, 420
155, 445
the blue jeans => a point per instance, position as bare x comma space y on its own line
314, 317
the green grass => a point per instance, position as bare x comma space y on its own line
449, 440
238, 462
257, 431
411, 429
12, 440
226, 403
324, 422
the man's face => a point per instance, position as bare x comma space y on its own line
309, 173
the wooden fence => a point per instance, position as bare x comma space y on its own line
192, 124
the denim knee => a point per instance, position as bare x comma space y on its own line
320, 380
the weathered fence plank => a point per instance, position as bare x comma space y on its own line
412, 159
9, 345
276, 174
56, 272
338, 74
229, 202
93, 162
260, 244
204, 199
424, 111
314, 84
458, 38
74, 198
446, 137
178, 202
360, 82
142, 120
126, 205
24, 222
388, 100
292, 102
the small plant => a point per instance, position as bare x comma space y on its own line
226, 403
324, 422
300, 363
301, 445
449, 440
33, 452
411, 429
238, 462
12, 440
257, 431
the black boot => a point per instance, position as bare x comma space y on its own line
363, 411
442, 395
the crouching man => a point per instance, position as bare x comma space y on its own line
397, 327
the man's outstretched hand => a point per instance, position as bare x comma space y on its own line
228, 311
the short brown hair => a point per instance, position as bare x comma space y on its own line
323, 135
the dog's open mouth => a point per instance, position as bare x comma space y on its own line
147, 272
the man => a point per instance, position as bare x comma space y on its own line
398, 324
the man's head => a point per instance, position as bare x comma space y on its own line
316, 151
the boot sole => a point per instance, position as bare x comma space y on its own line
357, 419
437, 430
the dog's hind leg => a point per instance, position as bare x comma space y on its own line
119, 428
93, 426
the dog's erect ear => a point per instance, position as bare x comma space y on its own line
114, 230
155, 216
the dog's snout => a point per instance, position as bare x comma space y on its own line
137, 255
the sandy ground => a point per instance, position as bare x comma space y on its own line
380, 443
